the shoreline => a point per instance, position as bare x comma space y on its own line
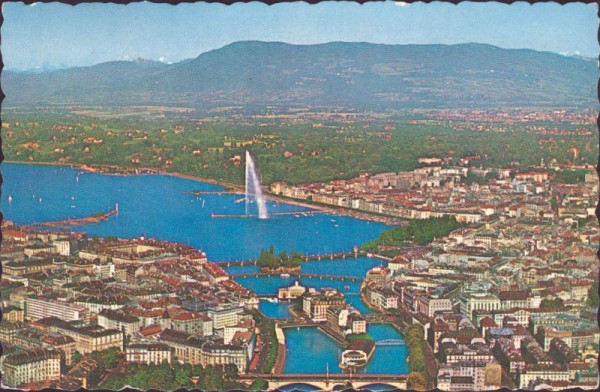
388, 221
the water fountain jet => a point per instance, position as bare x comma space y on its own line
253, 188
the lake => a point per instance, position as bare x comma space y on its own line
157, 206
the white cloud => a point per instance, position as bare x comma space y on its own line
162, 59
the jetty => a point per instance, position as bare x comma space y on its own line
200, 193
92, 219
299, 214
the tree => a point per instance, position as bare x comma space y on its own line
162, 377
416, 381
231, 371
555, 303
259, 384
76, 357
213, 378
183, 375
198, 370
283, 257
109, 358
554, 203
593, 295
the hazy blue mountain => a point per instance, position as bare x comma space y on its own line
46, 67
359, 75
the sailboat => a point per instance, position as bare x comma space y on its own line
9, 198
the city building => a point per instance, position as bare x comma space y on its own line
149, 353
88, 338
31, 366
223, 316
292, 292
38, 308
315, 304
192, 323
111, 319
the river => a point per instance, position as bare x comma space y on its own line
157, 206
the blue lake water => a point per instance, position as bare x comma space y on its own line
156, 206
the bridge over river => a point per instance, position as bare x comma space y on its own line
318, 257
301, 275
328, 381
390, 342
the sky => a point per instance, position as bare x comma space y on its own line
58, 34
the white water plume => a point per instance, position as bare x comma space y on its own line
253, 189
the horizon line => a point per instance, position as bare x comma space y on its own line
62, 67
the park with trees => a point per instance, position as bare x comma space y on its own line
270, 262
420, 232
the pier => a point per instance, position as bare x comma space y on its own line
95, 218
201, 193
304, 213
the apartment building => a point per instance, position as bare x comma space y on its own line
30, 366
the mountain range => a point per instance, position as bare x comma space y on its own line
341, 74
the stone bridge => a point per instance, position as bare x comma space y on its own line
301, 275
328, 382
318, 257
